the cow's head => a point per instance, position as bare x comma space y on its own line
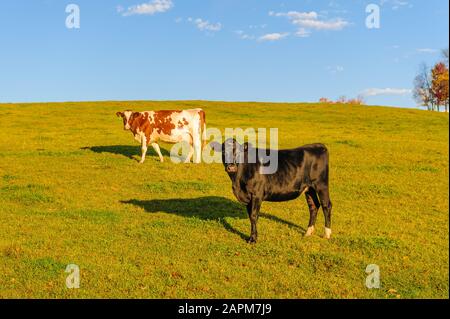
233, 154
128, 118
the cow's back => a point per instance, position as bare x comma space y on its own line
297, 168
173, 126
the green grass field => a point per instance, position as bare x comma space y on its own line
72, 192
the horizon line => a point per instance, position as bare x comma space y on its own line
416, 107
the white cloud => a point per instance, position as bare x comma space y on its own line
244, 36
303, 33
206, 25
273, 36
336, 69
397, 4
260, 26
427, 50
312, 21
295, 14
269, 37
148, 8
333, 25
386, 91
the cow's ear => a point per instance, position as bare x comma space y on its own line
216, 146
119, 114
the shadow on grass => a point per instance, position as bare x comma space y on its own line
125, 150
206, 208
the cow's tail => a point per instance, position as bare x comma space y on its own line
203, 128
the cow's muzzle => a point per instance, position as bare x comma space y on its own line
231, 168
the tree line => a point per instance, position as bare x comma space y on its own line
431, 85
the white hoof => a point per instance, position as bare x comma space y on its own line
310, 231
327, 233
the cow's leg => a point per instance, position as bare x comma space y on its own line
143, 150
314, 205
325, 201
197, 142
158, 151
253, 212
198, 152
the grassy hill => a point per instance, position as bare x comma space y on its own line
71, 193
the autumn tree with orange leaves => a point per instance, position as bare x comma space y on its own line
431, 87
440, 84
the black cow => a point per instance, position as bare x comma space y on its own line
300, 170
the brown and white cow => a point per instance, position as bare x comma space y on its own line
150, 127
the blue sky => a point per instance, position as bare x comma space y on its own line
234, 50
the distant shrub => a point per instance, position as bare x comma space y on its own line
325, 100
343, 100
